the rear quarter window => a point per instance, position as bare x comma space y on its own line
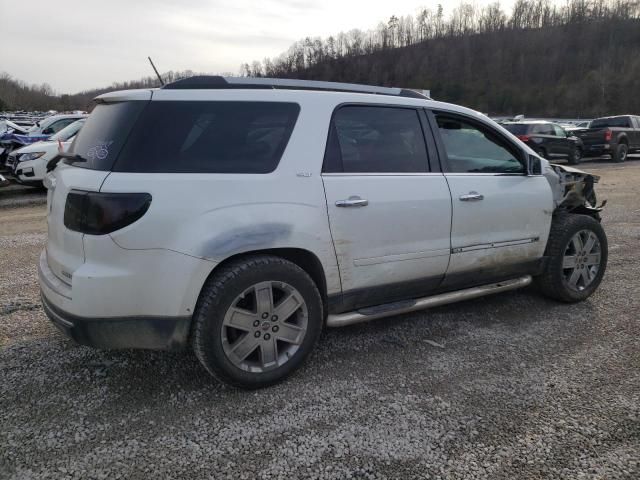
101, 138
208, 137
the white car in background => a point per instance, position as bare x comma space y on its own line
54, 124
28, 165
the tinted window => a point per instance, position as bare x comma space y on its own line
208, 137
376, 140
610, 122
517, 128
104, 133
473, 148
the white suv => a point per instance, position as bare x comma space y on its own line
29, 164
240, 216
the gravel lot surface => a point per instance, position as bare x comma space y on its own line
512, 386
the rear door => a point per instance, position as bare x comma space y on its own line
390, 214
635, 139
564, 146
501, 215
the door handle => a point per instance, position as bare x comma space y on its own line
471, 197
354, 201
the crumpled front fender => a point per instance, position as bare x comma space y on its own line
573, 189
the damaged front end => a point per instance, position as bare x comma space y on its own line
573, 190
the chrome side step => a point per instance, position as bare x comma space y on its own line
367, 314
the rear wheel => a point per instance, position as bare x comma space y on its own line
577, 258
575, 156
256, 321
619, 154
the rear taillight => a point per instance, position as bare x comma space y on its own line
607, 135
524, 138
97, 213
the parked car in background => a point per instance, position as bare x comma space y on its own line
42, 130
548, 140
616, 136
28, 165
240, 216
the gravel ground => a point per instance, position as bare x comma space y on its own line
506, 387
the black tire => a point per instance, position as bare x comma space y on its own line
553, 283
218, 295
620, 152
575, 156
541, 152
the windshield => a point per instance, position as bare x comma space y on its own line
517, 128
67, 132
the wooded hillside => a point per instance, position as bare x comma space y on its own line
581, 59
575, 59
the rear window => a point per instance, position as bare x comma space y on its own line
517, 128
208, 137
611, 122
104, 133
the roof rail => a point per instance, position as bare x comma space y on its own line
223, 83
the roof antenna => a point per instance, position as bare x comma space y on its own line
156, 70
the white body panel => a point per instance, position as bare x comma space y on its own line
509, 225
401, 235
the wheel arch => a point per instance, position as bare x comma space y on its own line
303, 258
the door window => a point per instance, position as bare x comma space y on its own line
559, 132
367, 139
472, 148
55, 127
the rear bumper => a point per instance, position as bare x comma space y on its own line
136, 331
596, 150
155, 333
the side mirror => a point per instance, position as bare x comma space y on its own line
534, 166
47, 131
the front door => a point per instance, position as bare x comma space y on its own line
390, 216
501, 215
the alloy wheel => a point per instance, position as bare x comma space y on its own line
581, 260
264, 326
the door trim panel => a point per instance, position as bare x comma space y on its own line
360, 262
486, 246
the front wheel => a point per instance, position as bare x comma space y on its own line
575, 156
577, 254
257, 320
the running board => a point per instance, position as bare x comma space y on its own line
373, 313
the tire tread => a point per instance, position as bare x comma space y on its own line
209, 296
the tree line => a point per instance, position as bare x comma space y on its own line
466, 19
18, 95
581, 58
578, 59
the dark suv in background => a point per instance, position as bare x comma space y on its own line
548, 140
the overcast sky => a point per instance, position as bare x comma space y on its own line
79, 44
